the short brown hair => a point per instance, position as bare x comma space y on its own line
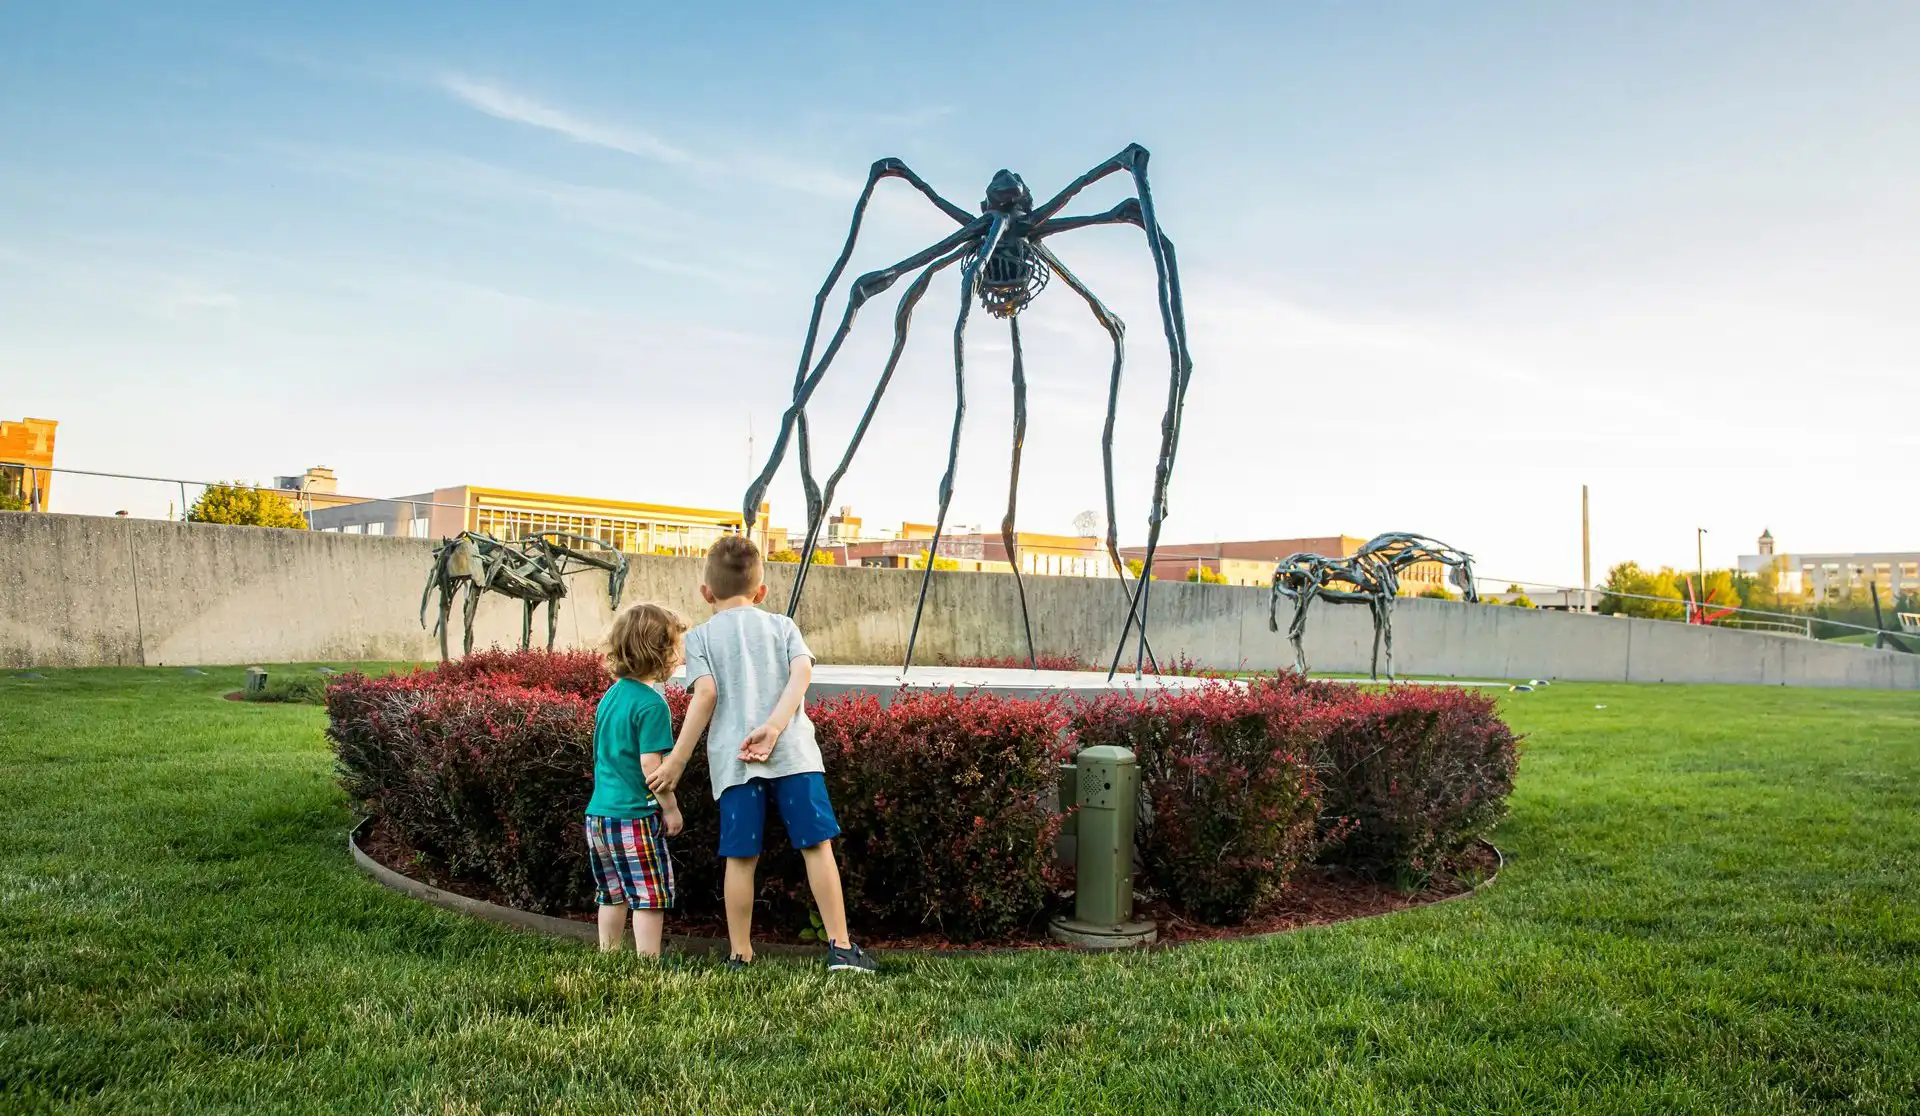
733, 567
641, 642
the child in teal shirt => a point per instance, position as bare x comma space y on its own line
627, 824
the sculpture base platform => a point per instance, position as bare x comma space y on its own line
886, 682
1094, 936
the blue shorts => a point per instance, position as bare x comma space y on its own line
804, 811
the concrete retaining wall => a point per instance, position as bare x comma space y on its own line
86, 591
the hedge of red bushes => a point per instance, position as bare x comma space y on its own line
1231, 803
484, 766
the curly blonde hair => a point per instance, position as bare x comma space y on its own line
642, 641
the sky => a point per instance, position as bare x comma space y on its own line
1443, 264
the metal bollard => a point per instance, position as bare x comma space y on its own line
256, 680
1105, 783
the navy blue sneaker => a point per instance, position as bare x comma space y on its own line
736, 963
849, 958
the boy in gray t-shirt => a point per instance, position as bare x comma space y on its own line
748, 672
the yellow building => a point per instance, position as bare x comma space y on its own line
510, 514
26, 461
982, 552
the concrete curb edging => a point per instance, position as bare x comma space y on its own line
685, 944
548, 925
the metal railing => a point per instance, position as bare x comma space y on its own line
303, 496
1788, 620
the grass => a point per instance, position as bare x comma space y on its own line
1711, 906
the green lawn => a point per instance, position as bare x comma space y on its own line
1711, 905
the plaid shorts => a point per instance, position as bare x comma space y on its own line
630, 862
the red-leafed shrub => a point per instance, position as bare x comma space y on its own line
581, 673
945, 800
486, 781
1230, 803
1019, 662
1415, 775
484, 767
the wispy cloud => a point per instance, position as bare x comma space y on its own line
507, 104
770, 167
444, 174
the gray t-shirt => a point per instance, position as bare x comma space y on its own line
747, 651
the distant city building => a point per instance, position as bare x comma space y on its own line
26, 461
1834, 577
508, 514
1251, 562
313, 490
1549, 600
973, 550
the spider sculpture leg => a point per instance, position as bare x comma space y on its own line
1117, 330
864, 288
882, 168
987, 244
526, 623
1133, 159
1008, 536
902, 316
553, 620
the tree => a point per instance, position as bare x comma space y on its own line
1206, 575
1520, 598
1632, 591
920, 563
10, 502
1720, 591
248, 507
1135, 565
1435, 593
820, 557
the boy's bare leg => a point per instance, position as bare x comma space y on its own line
739, 892
648, 926
823, 879
613, 926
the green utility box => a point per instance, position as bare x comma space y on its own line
256, 680
1104, 782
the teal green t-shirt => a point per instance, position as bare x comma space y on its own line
632, 719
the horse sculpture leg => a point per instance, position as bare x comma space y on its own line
446, 613
467, 613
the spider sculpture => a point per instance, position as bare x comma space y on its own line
1372, 577
1005, 263
532, 571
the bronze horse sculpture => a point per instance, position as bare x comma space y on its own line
532, 571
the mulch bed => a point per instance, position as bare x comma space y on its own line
1318, 897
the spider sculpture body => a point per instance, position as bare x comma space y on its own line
533, 571
1005, 263
1369, 576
